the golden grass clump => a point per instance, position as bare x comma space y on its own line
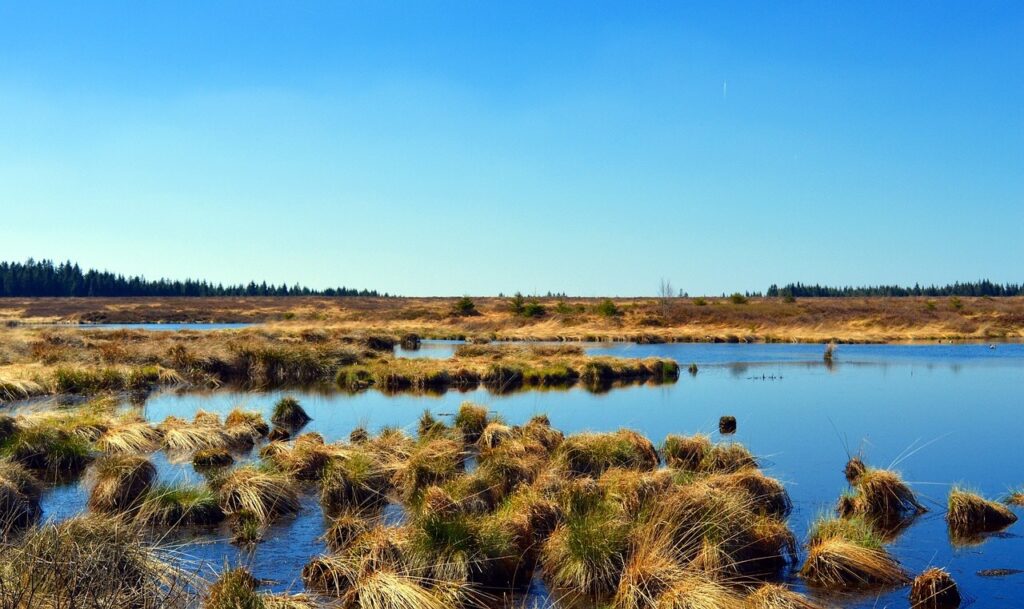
377, 549
635, 490
130, 438
471, 420
971, 515
539, 429
586, 553
90, 561
344, 528
357, 479
721, 532
247, 418
700, 592
20, 495
264, 494
234, 589
493, 435
651, 570
685, 452
181, 436
120, 482
590, 454
431, 462
306, 459
204, 417
880, 495
847, 553
776, 596
767, 495
934, 589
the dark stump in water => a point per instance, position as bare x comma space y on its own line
727, 425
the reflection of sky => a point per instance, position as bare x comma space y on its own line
943, 414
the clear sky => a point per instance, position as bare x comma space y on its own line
475, 147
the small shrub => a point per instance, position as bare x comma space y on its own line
738, 299
607, 308
465, 307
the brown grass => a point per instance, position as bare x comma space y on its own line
807, 320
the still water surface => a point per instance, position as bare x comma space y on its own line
942, 414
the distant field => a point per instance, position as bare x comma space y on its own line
759, 319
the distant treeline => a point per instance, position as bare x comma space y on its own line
44, 278
974, 288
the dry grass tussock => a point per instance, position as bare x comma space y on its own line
970, 515
847, 553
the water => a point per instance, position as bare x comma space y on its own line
943, 414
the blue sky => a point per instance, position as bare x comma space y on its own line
476, 147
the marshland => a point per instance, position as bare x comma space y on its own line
290, 465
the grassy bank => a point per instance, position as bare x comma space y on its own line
39, 361
674, 319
